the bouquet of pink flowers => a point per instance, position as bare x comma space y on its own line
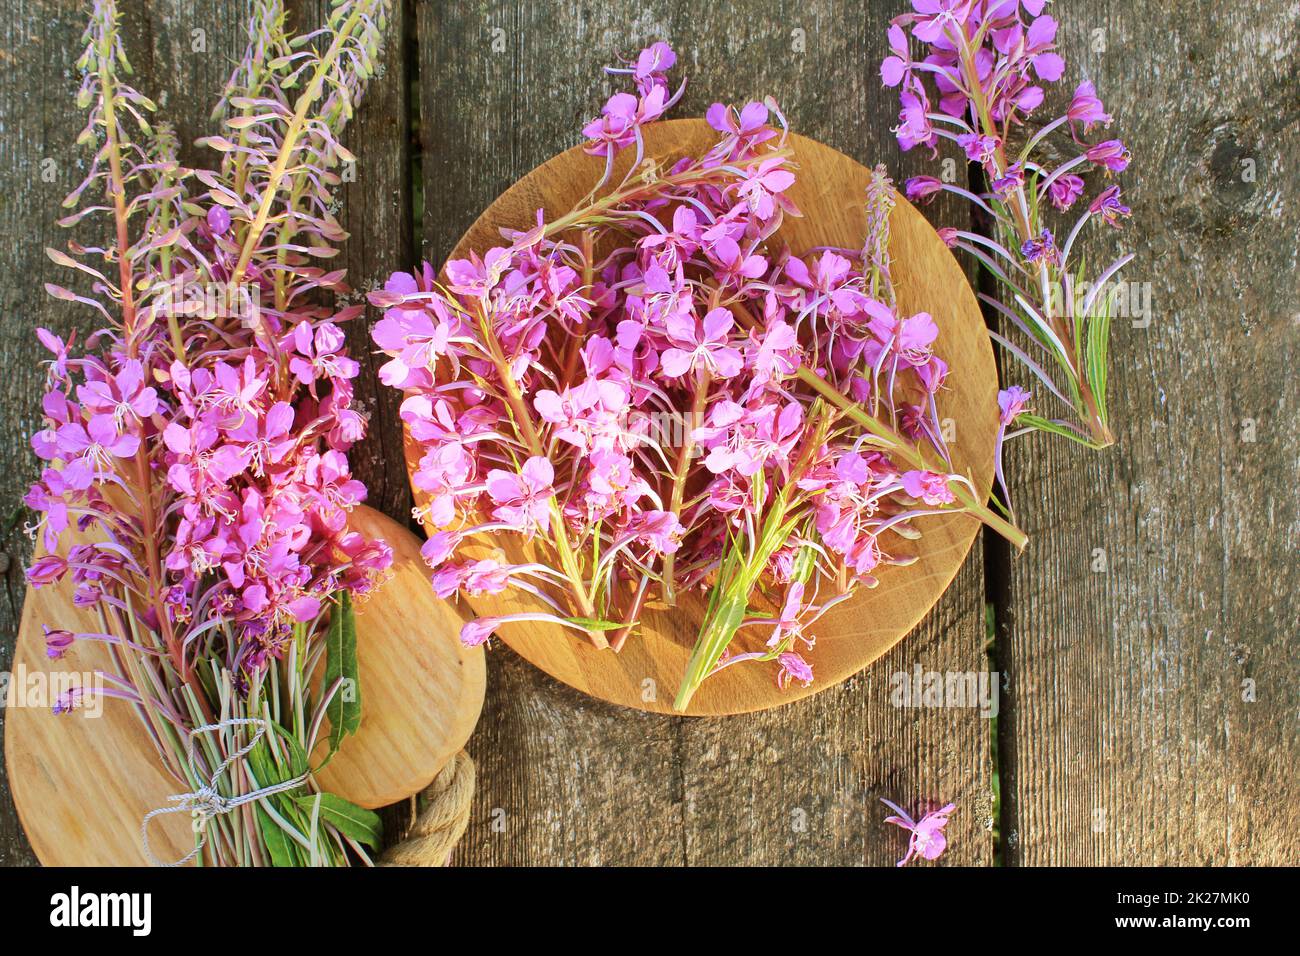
198, 444
986, 62
651, 392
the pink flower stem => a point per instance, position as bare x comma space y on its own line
559, 533
1098, 428
702, 381
116, 188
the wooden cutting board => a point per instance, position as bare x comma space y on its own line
82, 784
829, 191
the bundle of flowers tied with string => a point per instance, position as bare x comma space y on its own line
196, 488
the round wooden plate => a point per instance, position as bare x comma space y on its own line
829, 191
82, 784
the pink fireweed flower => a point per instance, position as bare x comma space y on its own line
910, 338
69, 700
47, 569
59, 364
787, 624
831, 279
661, 531
90, 450
763, 185
1107, 205
1064, 190
476, 632
922, 188
588, 416
701, 345
793, 667
523, 500
928, 486
1041, 248
914, 127
123, 396
1112, 154
320, 353
416, 337
927, 838
57, 642
979, 148
478, 277
751, 118
1011, 179
622, 117
1011, 402
1086, 109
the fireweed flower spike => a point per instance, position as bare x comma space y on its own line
201, 444
983, 64
927, 838
693, 406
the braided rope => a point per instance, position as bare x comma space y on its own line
442, 818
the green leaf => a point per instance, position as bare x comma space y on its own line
353, 821
1098, 346
594, 624
282, 849
1044, 425
344, 710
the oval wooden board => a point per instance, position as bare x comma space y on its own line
82, 785
829, 192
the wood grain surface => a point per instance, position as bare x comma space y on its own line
1123, 689
83, 782
1150, 635
830, 194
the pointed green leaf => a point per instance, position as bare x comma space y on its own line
353, 821
277, 842
344, 710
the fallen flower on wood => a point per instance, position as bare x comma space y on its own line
927, 839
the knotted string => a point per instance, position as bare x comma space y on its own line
207, 801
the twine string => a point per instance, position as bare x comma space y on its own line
208, 801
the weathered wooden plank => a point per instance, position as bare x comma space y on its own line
505, 85
38, 166
183, 52
1152, 710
